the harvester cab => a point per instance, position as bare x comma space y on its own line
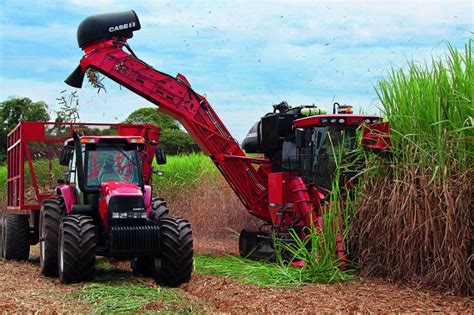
306, 141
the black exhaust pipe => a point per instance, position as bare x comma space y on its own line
76, 78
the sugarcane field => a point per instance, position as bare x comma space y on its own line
236, 157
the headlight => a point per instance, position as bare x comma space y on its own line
129, 215
324, 120
333, 120
341, 120
375, 121
367, 121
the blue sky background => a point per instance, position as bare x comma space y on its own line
244, 55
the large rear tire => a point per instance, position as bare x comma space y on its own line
176, 260
76, 249
51, 212
16, 237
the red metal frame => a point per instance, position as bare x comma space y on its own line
27, 132
175, 98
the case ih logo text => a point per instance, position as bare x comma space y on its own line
121, 27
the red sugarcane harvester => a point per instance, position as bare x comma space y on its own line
288, 186
104, 206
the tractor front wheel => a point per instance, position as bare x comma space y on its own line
175, 264
51, 212
76, 249
159, 209
15, 237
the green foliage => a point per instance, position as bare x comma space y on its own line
14, 110
118, 291
431, 111
414, 219
181, 170
172, 138
3, 182
317, 249
176, 141
257, 272
246, 271
149, 115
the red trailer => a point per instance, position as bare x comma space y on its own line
21, 155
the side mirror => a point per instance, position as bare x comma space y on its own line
160, 156
65, 157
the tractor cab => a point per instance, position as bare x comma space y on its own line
107, 159
105, 173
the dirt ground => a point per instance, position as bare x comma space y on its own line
23, 289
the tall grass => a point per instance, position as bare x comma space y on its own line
415, 216
3, 182
47, 173
318, 245
181, 170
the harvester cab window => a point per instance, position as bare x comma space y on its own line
116, 163
325, 147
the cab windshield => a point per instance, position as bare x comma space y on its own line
116, 163
323, 148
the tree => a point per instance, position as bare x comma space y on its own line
149, 115
14, 110
172, 138
176, 141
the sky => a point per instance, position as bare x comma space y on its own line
243, 55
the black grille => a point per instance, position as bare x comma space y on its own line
131, 206
131, 241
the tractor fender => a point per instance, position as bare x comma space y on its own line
69, 194
148, 197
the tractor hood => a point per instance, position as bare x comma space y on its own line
122, 203
111, 189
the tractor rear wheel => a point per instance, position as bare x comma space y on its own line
52, 210
16, 237
175, 264
76, 248
159, 209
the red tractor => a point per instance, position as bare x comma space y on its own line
288, 186
104, 206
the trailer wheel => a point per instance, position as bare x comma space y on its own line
76, 249
142, 266
52, 210
176, 260
159, 209
16, 237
